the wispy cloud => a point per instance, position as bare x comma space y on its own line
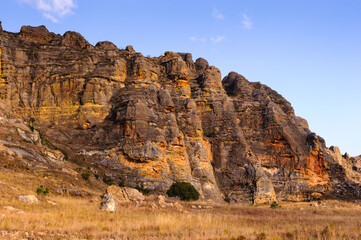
218, 38
217, 14
53, 9
247, 23
197, 39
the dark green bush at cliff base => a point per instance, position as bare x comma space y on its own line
185, 191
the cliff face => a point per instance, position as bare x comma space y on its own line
152, 121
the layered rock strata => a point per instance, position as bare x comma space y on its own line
151, 121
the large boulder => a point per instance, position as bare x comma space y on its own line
124, 194
28, 199
265, 193
108, 203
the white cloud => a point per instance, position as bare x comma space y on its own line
218, 39
50, 17
247, 23
196, 39
53, 9
216, 14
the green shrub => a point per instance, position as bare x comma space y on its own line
185, 191
142, 189
31, 128
227, 199
274, 205
121, 183
85, 175
42, 191
108, 180
261, 236
240, 237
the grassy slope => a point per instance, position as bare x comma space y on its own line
80, 218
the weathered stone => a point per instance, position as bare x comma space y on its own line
264, 191
28, 199
316, 196
162, 202
106, 45
130, 48
10, 208
153, 121
134, 194
178, 206
74, 39
201, 65
36, 34
108, 203
124, 194
314, 205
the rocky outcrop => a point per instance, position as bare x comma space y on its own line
124, 194
150, 121
115, 197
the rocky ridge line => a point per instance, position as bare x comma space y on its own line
151, 121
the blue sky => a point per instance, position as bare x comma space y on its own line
307, 50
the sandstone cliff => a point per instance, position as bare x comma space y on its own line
154, 120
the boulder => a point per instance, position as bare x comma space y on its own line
41, 30
108, 203
74, 39
134, 194
201, 65
106, 45
316, 196
130, 49
28, 199
38, 34
264, 191
162, 203
124, 194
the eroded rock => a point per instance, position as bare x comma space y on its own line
156, 120
108, 203
124, 194
28, 199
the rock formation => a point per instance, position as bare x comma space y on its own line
151, 121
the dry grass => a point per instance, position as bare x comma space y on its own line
80, 218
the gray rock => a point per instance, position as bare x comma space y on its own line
108, 203
29, 199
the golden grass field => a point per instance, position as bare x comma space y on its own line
81, 218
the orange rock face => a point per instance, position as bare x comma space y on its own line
152, 121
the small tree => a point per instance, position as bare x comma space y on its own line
275, 205
185, 191
42, 191
108, 180
85, 175
142, 189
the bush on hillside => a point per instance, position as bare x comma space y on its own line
185, 191
85, 175
42, 191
